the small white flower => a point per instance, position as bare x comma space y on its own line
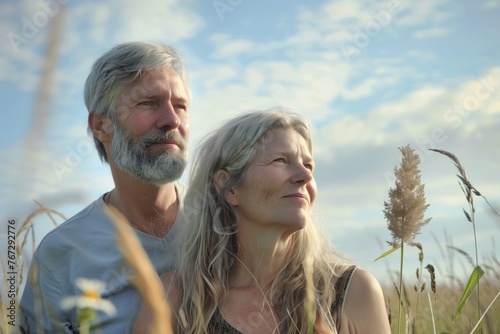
90, 297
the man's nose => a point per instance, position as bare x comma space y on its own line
167, 117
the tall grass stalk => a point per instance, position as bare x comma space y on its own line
400, 285
469, 190
485, 312
432, 313
419, 286
32, 141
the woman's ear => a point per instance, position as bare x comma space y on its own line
220, 179
101, 127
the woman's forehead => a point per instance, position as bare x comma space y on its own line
287, 139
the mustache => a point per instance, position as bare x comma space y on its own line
160, 136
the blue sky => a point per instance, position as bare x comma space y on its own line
371, 76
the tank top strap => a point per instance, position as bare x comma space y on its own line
341, 288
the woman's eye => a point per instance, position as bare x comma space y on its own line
309, 166
280, 160
180, 106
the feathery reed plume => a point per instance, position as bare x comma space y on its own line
146, 279
405, 209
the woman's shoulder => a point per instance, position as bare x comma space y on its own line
363, 283
364, 307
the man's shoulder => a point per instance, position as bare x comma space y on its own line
75, 229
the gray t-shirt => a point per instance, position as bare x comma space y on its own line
85, 246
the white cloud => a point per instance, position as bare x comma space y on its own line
308, 87
419, 114
366, 88
32, 171
427, 11
490, 4
422, 55
226, 48
85, 29
170, 20
431, 32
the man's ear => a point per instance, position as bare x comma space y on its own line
220, 179
101, 127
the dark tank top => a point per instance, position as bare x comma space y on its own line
219, 325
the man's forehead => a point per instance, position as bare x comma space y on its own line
159, 77
154, 80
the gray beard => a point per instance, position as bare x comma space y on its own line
133, 156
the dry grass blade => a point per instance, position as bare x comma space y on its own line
43, 92
417, 244
432, 313
146, 279
494, 210
453, 158
37, 212
468, 190
467, 215
26, 230
4, 322
469, 185
464, 253
463, 174
309, 302
485, 312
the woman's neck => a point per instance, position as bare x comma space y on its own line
259, 258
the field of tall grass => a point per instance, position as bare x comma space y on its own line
426, 311
428, 303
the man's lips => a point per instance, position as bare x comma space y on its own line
167, 144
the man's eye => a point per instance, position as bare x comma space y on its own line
280, 160
180, 106
146, 103
309, 166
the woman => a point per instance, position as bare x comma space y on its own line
251, 259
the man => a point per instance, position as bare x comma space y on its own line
138, 98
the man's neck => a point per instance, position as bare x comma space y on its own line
149, 208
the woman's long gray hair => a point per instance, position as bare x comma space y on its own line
208, 244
